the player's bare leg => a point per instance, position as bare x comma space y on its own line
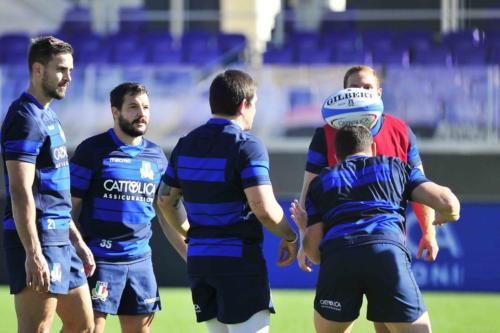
75, 310
34, 310
136, 323
421, 325
99, 321
323, 325
381, 328
215, 326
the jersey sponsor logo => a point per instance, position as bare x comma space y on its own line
56, 273
197, 308
120, 160
129, 186
146, 170
60, 155
100, 291
329, 304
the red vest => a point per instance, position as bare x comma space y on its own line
391, 140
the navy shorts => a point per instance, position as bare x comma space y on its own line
66, 268
125, 288
381, 271
232, 299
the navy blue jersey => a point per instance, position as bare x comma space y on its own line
212, 166
363, 199
34, 135
117, 184
391, 135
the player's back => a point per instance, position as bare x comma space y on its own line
364, 196
212, 171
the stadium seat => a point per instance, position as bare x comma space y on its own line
199, 47
14, 48
274, 55
89, 48
378, 39
395, 56
433, 56
132, 20
77, 20
232, 47
343, 56
415, 39
470, 55
314, 56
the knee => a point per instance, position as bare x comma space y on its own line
80, 327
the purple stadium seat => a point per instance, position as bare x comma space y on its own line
132, 19
77, 20
464, 38
314, 56
199, 47
416, 39
281, 56
89, 48
433, 56
470, 55
347, 40
378, 39
395, 56
344, 56
127, 51
14, 48
232, 46
494, 55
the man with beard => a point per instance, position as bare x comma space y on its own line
114, 176
37, 222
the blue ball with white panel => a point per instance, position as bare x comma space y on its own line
352, 106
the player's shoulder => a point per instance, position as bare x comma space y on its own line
390, 119
96, 140
153, 148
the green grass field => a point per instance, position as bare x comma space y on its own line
450, 313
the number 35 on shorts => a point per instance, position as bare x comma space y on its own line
105, 243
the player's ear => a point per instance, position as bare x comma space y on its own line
241, 106
379, 91
37, 69
115, 112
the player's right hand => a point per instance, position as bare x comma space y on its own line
304, 263
287, 252
37, 272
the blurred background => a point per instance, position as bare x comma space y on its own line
438, 61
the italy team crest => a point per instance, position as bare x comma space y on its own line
100, 291
56, 273
147, 170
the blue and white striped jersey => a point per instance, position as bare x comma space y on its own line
117, 184
34, 135
212, 166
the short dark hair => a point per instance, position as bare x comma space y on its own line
117, 95
357, 69
352, 139
42, 50
229, 89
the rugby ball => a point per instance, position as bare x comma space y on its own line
352, 106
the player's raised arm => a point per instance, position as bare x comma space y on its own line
441, 199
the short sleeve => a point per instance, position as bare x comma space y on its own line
312, 202
413, 153
170, 176
317, 154
23, 138
415, 177
253, 163
81, 169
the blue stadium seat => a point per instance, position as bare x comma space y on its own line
415, 39
232, 47
89, 48
161, 48
433, 56
395, 56
132, 20
464, 38
343, 56
314, 56
127, 51
470, 55
14, 48
77, 20
199, 47
274, 55
378, 39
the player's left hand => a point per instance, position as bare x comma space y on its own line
287, 252
429, 243
299, 215
83, 251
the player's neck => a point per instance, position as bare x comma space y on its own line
39, 95
125, 138
237, 119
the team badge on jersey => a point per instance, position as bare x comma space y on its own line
56, 273
100, 291
147, 170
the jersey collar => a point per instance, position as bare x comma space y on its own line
129, 149
32, 99
222, 121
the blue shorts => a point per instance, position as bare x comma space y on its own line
232, 299
381, 271
66, 268
125, 288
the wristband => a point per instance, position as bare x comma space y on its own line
294, 240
